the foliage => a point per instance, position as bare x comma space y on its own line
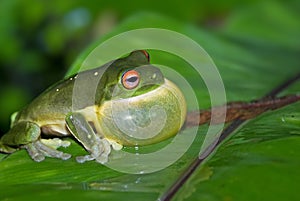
256, 48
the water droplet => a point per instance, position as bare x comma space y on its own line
138, 180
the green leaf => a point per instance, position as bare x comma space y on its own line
260, 161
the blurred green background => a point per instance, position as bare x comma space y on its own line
41, 39
256, 47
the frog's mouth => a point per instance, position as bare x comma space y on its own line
157, 90
144, 119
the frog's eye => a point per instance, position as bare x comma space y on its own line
130, 79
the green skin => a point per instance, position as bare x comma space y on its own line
57, 113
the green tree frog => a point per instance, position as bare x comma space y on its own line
104, 108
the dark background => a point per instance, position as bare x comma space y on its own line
41, 39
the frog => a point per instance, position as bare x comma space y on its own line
102, 109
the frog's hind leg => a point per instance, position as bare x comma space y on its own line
38, 150
6, 149
19, 134
28, 135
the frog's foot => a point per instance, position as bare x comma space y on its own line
99, 152
39, 149
55, 143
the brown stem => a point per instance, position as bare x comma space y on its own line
238, 110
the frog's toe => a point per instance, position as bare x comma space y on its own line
82, 159
99, 152
55, 143
34, 153
50, 152
38, 157
103, 158
37, 150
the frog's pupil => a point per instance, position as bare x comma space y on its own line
132, 79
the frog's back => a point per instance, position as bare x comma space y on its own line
73, 93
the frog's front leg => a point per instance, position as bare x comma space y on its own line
99, 148
28, 135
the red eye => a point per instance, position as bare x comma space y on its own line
130, 79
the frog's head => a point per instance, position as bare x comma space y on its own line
131, 76
140, 105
